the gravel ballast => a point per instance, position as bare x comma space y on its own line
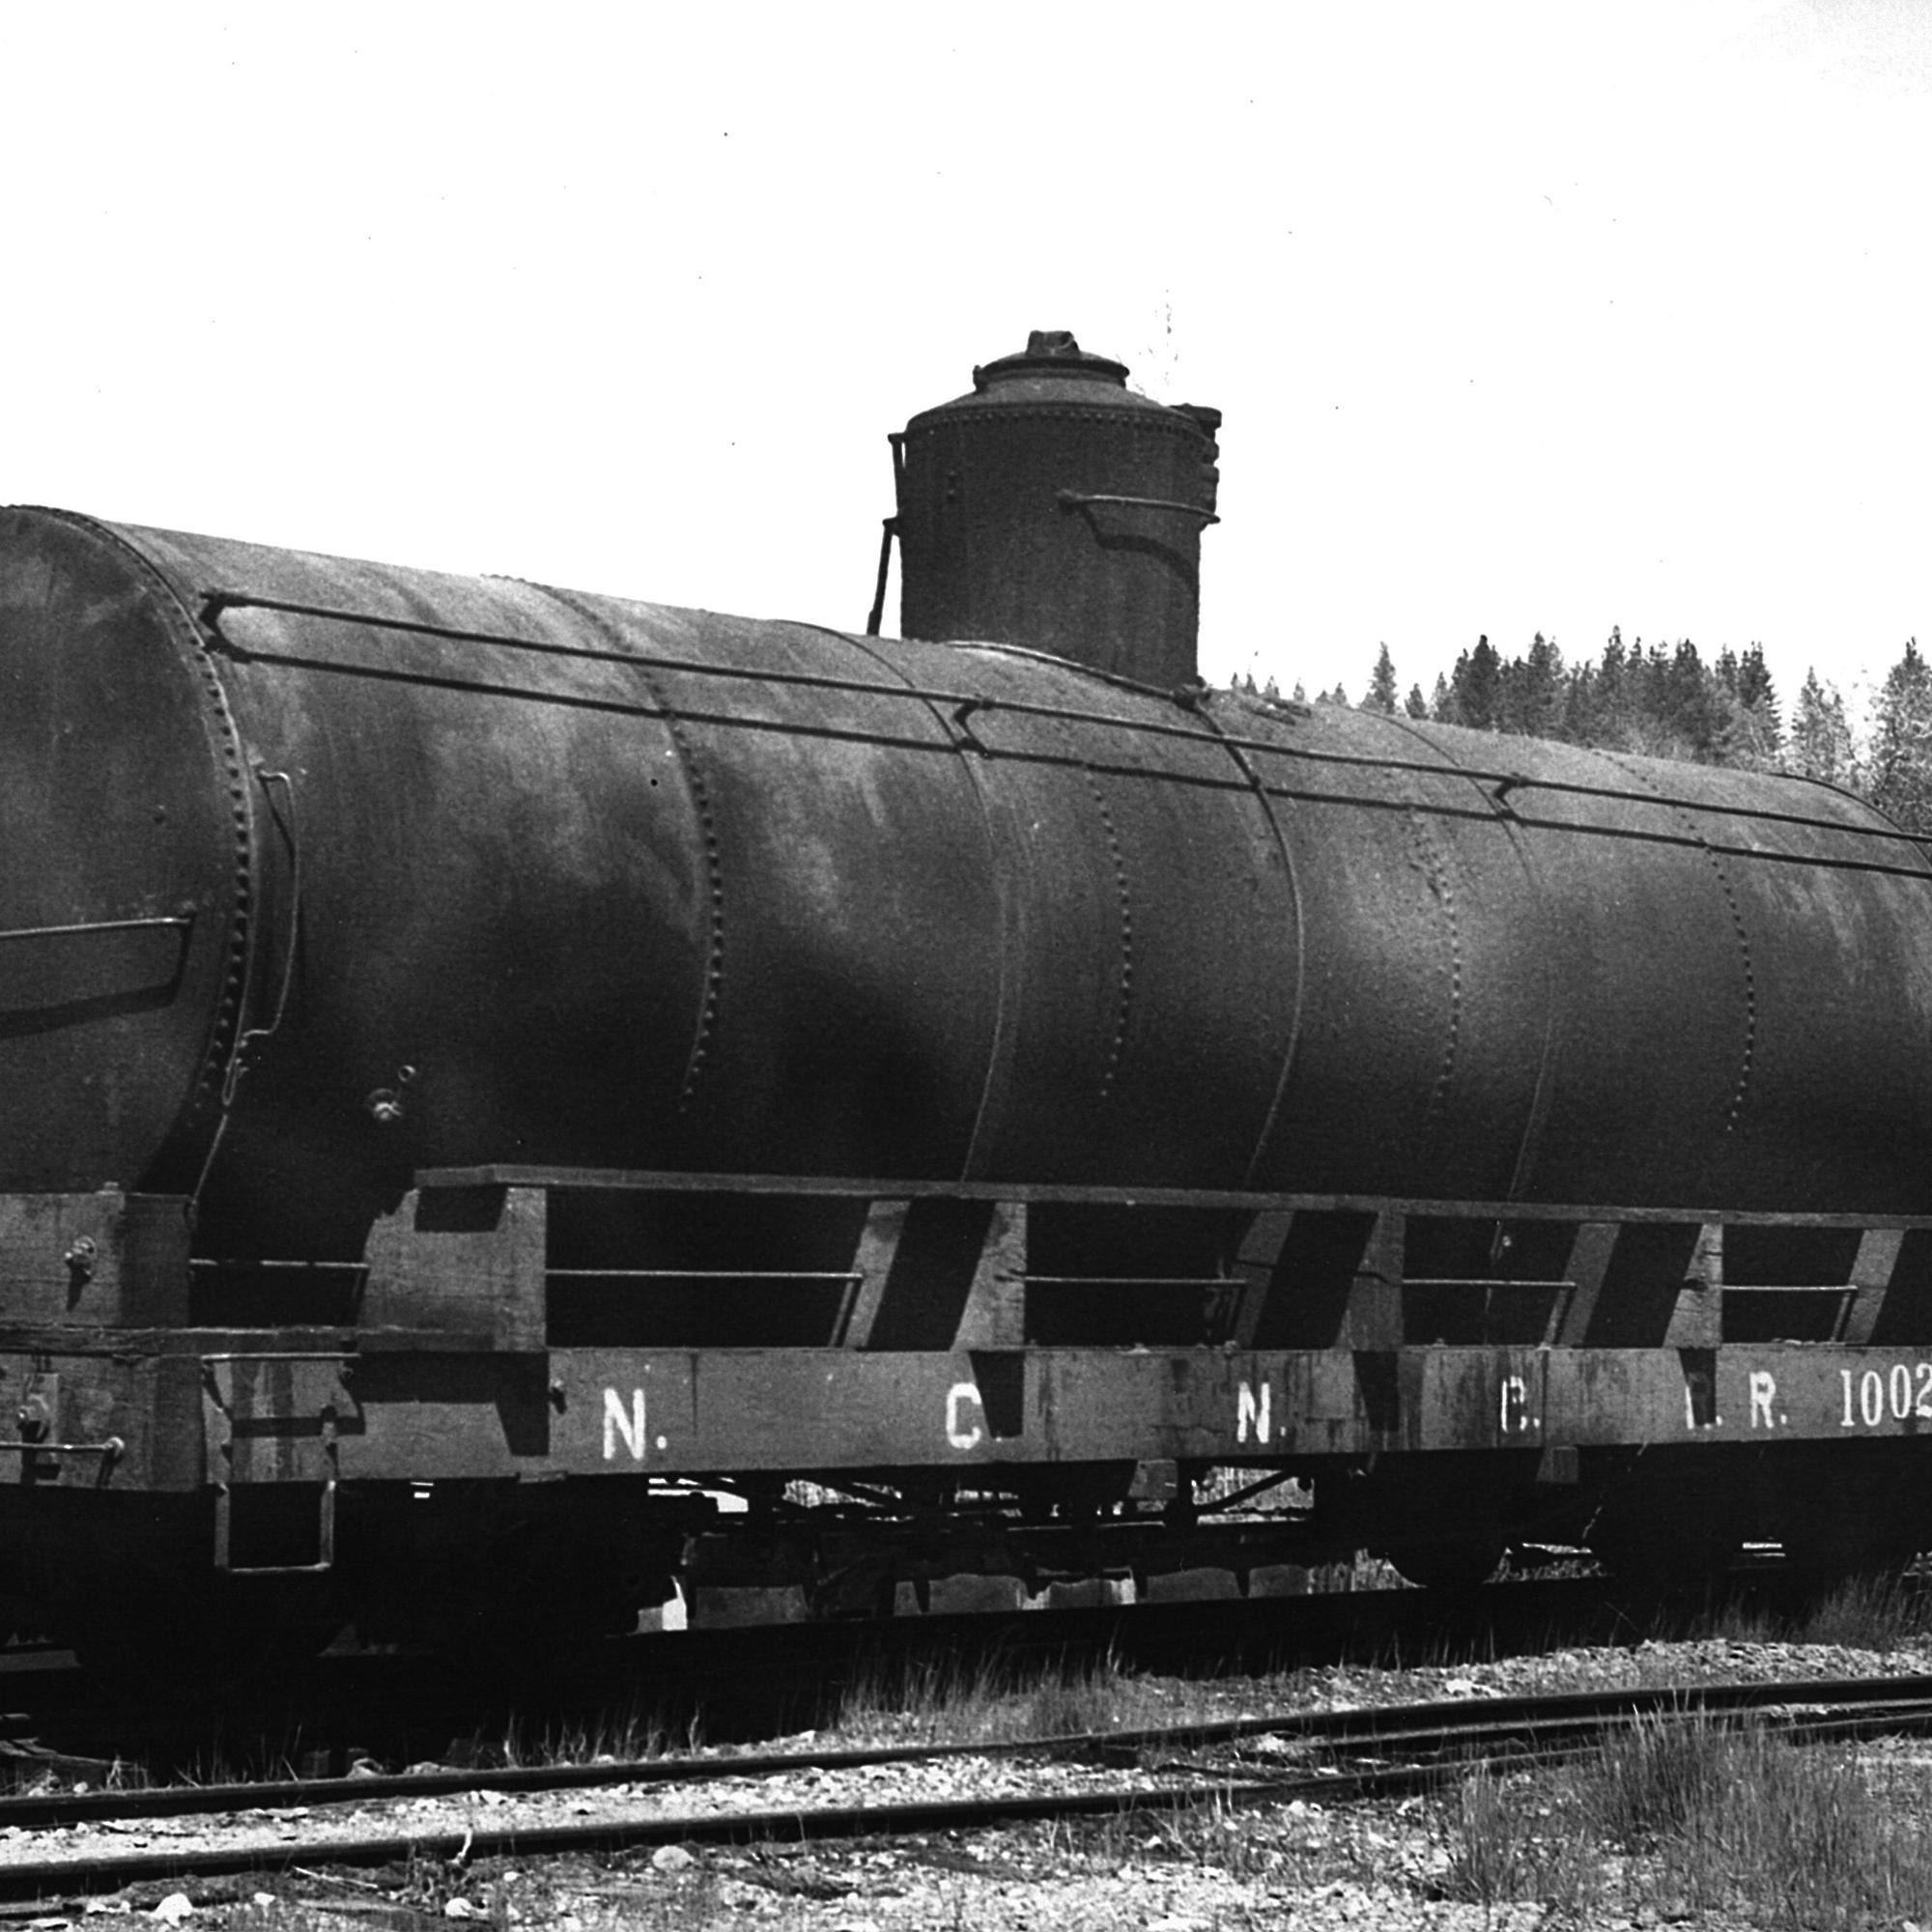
1384, 1864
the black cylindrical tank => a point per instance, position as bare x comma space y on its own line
316, 873
1054, 508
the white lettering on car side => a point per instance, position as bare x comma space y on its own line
957, 1432
622, 1424
1252, 1408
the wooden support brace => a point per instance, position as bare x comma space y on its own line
1638, 1282
1697, 1316
1374, 1297
940, 1273
1256, 1263
1587, 1269
466, 1260
1320, 1279
1872, 1271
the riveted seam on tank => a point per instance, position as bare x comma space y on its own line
712, 994
1496, 789
224, 1056
1198, 702
1000, 1044
1124, 890
1147, 417
1737, 1101
714, 873
1751, 991
211, 1079
1427, 857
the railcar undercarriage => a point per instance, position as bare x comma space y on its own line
540, 1398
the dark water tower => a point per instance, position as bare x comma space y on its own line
1054, 508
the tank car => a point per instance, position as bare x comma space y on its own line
486, 1071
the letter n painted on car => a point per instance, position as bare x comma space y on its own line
623, 1425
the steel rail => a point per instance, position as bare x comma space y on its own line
90, 1872
1453, 1723
93, 1873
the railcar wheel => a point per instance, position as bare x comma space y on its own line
1452, 1566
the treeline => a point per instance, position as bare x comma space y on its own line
1667, 701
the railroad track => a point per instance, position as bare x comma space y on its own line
727, 1797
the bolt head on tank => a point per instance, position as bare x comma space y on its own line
1054, 508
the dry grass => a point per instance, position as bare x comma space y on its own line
1879, 1614
1682, 1818
616, 1737
990, 1701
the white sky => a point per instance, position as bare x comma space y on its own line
1543, 317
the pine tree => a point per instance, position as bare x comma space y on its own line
1380, 694
1670, 704
1751, 730
1647, 681
1691, 708
1529, 698
1610, 708
1901, 749
1476, 686
1580, 697
1820, 745
1755, 685
1415, 704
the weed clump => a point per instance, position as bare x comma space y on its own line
1879, 1613
1684, 1816
988, 1701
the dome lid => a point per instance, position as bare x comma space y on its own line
1052, 370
